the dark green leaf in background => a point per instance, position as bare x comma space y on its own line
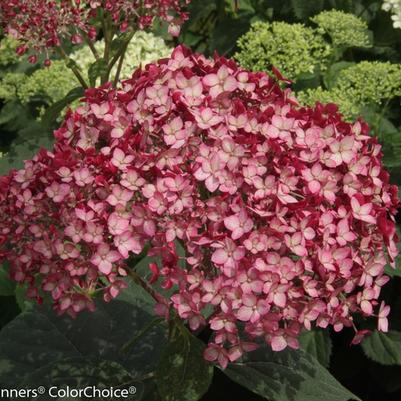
384, 348
7, 286
318, 344
96, 70
80, 373
183, 374
305, 9
289, 375
38, 338
55, 109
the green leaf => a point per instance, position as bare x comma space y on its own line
384, 348
391, 148
330, 78
8, 310
305, 9
55, 109
79, 373
23, 302
289, 375
37, 338
318, 344
10, 111
96, 70
7, 286
19, 152
183, 374
394, 272
224, 37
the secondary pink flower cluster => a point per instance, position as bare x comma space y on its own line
44, 24
285, 213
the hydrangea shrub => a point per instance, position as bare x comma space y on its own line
285, 212
359, 85
293, 48
8, 46
298, 50
345, 30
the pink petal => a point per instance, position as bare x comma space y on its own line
278, 343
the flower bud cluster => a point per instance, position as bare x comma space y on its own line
41, 25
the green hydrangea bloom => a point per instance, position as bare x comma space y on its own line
344, 100
51, 83
371, 81
8, 54
345, 30
293, 48
54, 82
365, 83
10, 85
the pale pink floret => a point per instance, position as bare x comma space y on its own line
83, 177
57, 192
382, 324
252, 309
127, 242
66, 250
238, 224
343, 151
131, 180
220, 82
228, 255
104, 258
120, 160
206, 118
296, 243
216, 353
362, 211
117, 224
344, 234
119, 196
175, 133
209, 172
101, 111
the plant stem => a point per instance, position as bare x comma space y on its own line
73, 68
138, 280
380, 118
108, 33
91, 46
120, 64
119, 53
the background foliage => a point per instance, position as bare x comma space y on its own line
342, 51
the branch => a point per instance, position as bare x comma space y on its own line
120, 64
120, 52
73, 68
138, 280
91, 45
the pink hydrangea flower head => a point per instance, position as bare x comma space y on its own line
285, 213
